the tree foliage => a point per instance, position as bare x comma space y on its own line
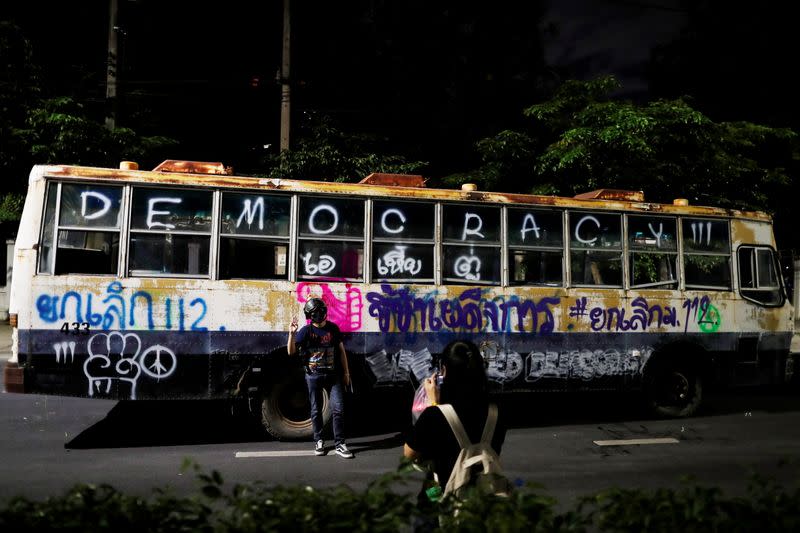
11, 206
39, 129
581, 140
59, 131
386, 505
432, 76
18, 92
325, 153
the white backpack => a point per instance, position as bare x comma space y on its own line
477, 464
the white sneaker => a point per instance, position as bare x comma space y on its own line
342, 450
319, 448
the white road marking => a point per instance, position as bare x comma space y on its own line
628, 442
283, 453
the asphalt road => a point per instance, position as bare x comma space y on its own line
49, 443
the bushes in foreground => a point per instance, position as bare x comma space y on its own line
388, 504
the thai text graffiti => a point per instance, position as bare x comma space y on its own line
707, 316
324, 264
113, 310
345, 312
640, 316
468, 267
402, 310
586, 364
396, 262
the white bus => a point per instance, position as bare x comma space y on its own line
181, 283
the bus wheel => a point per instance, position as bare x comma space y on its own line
285, 410
675, 390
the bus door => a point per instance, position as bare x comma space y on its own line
762, 342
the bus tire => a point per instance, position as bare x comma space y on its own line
285, 410
674, 389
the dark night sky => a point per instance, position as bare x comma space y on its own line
611, 37
431, 78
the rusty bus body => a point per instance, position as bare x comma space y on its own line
181, 283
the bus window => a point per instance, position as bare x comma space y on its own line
706, 254
471, 237
254, 236
536, 247
170, 232
596, 249
88, 228
403, 247
758, 276
653, 251
48, 230
331, 240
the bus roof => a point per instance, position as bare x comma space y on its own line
396, 186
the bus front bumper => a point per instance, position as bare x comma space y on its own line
13, 377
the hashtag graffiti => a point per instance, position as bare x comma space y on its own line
579, 309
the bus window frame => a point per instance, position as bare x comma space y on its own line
775, 264
508, 247
57, 227
675, 255
297, 237
622, 250
370, 239
684, 286
500, 245
51, 267
212, 253
217, 220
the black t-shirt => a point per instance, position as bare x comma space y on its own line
318, 346
433, 438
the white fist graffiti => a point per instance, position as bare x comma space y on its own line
118, 357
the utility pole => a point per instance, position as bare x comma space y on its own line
285, 89
112, 106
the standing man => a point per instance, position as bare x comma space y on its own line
318, 343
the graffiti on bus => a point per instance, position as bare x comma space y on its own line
117, 357
118, 312
344, 312
643, 315
586, 364
402, 310
400, 366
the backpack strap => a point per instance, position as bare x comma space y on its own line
455, 424
458, 429
491, 423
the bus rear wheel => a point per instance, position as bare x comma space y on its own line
674, 390
285, 410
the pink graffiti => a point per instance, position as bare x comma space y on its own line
346, 313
